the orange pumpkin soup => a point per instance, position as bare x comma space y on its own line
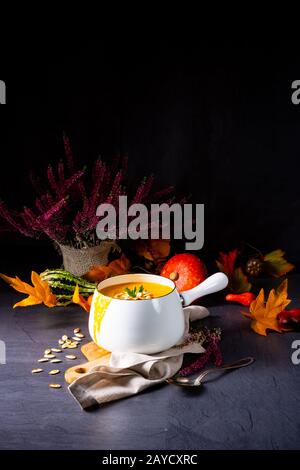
136, 291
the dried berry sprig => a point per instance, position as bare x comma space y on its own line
211, 344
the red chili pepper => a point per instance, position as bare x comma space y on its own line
289, 318
244, 299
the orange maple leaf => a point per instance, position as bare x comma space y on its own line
99, 272
238, 281
227, 261
153, 250
38, 293
264, 313
120, 265
80, 300
276, 265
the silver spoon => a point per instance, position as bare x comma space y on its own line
197, 382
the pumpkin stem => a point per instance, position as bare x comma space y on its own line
174, 276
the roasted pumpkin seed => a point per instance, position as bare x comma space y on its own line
47, 351
49, 356
37, 371
77, 330
56, 350
54, 372
64, 337
55, 361
43, 359
79, 335
60, 341
54, 385
71, 356
76, 339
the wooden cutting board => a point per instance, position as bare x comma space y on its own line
95, 355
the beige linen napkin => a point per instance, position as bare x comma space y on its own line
130, 373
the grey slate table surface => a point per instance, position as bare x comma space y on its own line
254, 408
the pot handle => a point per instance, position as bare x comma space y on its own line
212, 284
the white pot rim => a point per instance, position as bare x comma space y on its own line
136, 277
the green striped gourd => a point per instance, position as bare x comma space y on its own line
62, 283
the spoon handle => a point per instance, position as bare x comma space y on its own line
246, 361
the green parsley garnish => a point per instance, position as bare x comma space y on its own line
133, 292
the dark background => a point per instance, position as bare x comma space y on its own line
216, 120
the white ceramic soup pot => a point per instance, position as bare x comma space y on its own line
144, 326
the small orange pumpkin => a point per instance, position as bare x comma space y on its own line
186, 270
